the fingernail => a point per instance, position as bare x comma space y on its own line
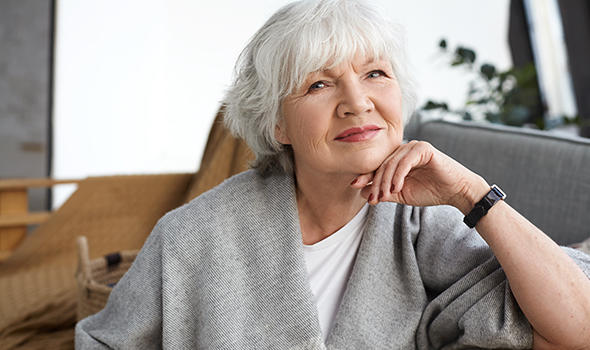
354, 181
370, 197
380, 195
392, 188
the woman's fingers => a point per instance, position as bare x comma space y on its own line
387, 182
390, 177
362, 180
366, 192
415, 173
420, 155
392, 164
382, 181
376, 192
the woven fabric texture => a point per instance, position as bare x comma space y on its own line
38, 303
97, 277
224, 156
227, 271
37, 282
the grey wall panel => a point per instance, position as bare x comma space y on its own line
25, 48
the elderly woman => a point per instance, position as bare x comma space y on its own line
342, 236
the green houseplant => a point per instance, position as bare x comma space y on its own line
508, 97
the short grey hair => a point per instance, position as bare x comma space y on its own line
300, 38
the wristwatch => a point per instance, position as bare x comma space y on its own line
482, 207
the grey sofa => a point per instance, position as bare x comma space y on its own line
546, 177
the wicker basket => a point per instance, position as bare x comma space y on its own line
97, 277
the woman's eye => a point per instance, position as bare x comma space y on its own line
317, 85
376, 74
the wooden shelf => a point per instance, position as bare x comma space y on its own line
15, 184
24, 219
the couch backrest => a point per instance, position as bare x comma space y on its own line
546, 177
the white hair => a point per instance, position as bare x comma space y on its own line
300, 38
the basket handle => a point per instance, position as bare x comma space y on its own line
83, 259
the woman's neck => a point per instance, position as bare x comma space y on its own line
325, 203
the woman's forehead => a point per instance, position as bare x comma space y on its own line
356, 63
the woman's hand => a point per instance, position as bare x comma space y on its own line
418, 174
552, 291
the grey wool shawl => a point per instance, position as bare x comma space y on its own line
227, 271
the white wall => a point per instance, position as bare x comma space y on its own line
137, 82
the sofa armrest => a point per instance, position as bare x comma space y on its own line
546, 176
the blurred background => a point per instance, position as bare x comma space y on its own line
93, 88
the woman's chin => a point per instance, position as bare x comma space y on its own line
367, 165
371, 159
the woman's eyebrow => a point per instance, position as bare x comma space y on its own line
327, 71
331, 72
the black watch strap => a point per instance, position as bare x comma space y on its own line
482, 207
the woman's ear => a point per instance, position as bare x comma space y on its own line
280, 134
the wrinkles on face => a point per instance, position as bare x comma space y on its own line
302, 127
351, 95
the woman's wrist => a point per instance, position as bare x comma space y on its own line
472, 193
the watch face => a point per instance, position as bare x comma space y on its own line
498, 192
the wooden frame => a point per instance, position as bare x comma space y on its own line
14, 210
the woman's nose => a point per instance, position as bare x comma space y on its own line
355, 101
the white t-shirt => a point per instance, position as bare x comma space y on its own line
329, 263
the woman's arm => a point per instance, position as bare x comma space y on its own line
549, 287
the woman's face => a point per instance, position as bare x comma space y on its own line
345, 120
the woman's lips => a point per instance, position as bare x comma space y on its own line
364, 133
